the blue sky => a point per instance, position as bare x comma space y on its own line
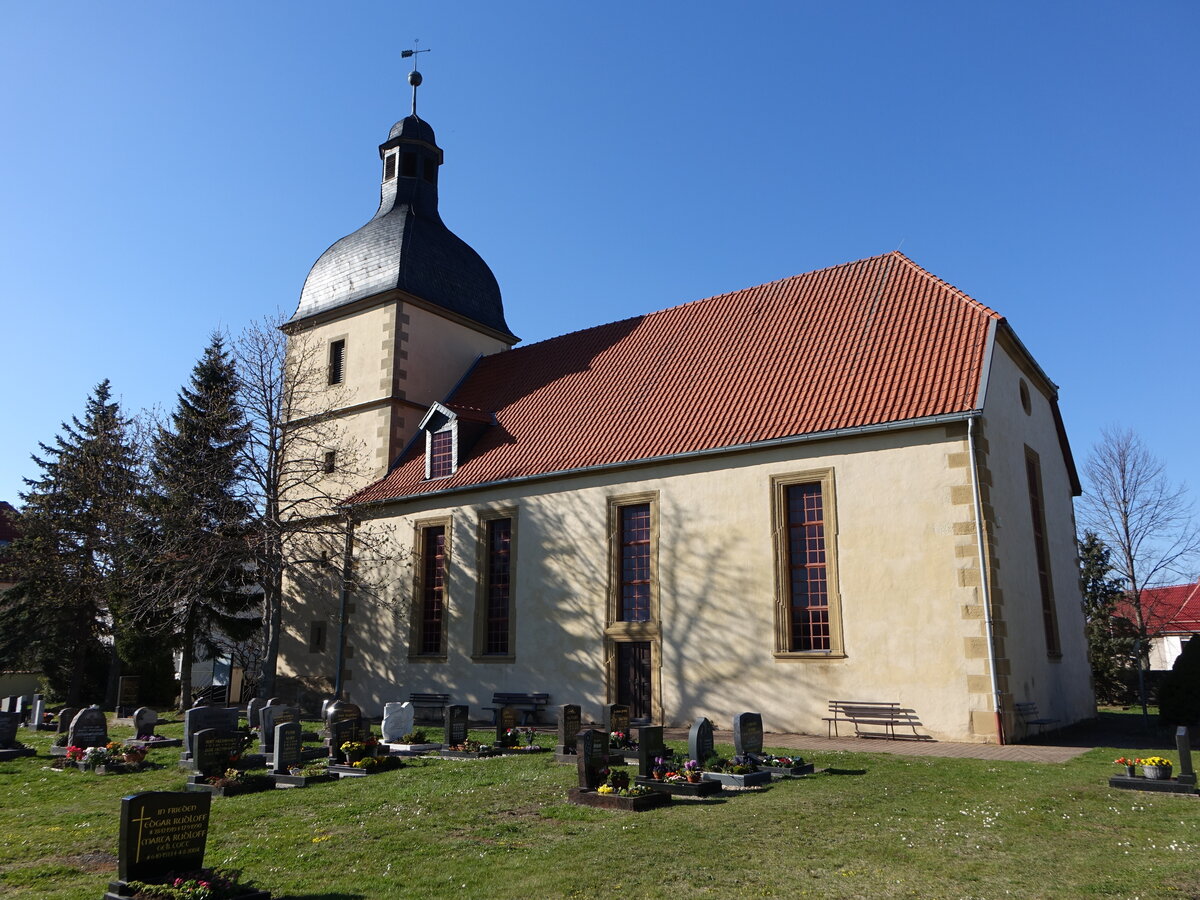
175, 168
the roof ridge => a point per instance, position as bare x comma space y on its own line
959, 292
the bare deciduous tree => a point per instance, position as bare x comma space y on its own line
1144, 519
301, 464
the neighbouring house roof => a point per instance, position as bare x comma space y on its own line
862, 344
8, 518
1174, 609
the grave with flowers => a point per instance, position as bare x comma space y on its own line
605, 787
145, 720
1156, 771
748, 744
219, 760
739, 772
661, 770
160, 853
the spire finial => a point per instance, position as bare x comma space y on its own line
414, 77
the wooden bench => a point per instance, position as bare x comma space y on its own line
1028, 713
529, 705
885, 714
427, 703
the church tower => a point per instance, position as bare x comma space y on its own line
398, 311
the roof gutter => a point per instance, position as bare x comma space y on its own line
790, 440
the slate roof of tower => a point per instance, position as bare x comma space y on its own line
405, 246
875, 341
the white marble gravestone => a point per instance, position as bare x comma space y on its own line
397, 721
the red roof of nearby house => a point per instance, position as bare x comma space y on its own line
1168, 610
869, 342
8, 518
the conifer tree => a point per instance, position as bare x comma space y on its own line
68, 559
1110, 638
199, 566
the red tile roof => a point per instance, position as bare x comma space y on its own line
865, 343
1167, 610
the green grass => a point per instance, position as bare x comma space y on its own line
908, 827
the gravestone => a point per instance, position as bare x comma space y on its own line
21, 707
650, 747
144, 721
506, 719
340, 710
222, 718
700, 740
128, 691
39, 709
270, 716
1183, 744
89, 728
569, 723
398, 721
65, 715
341, 731
616, 718
9, 723
593, 757
456, 724
252, 710
161, 832
8, 704
213, 749
747, 734
287, 747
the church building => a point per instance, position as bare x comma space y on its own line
850, 484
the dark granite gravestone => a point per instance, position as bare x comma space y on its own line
214, 751
506, 719
569, 723
128, 690
144, 721
9, 723
341, 710
65, 715
1183, 744
616, 718
89, 728
222, 718
592, 746
747, 734
161, 832
456, 724
287, 747
270, 716
700, 740
341, 731
650, 747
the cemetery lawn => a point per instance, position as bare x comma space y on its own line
501, 828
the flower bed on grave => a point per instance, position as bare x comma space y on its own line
202, 884
231, 783
112, 759
367, 765
739, 772
470, 750
303, 776
414, 742
678, 776
785, 766
618, 793
152, 741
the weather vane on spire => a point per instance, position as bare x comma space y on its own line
414, 77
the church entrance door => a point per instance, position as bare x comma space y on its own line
633, 678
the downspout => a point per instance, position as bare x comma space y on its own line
343, 605
984, 585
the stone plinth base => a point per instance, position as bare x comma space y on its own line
1158, 785
681, 788
581, 797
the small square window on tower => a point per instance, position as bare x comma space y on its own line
337, 362
389, 167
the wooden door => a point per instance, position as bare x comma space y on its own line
633, 678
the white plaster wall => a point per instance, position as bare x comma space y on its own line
1061, 688
900, 510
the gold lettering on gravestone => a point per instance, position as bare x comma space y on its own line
176, 831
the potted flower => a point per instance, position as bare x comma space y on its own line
659, 772
1127, 763
353, 751
1156, 767
691, 770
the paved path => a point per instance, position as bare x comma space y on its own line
1041, 753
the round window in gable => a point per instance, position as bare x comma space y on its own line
1025, 403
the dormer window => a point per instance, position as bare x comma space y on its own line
441, 452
